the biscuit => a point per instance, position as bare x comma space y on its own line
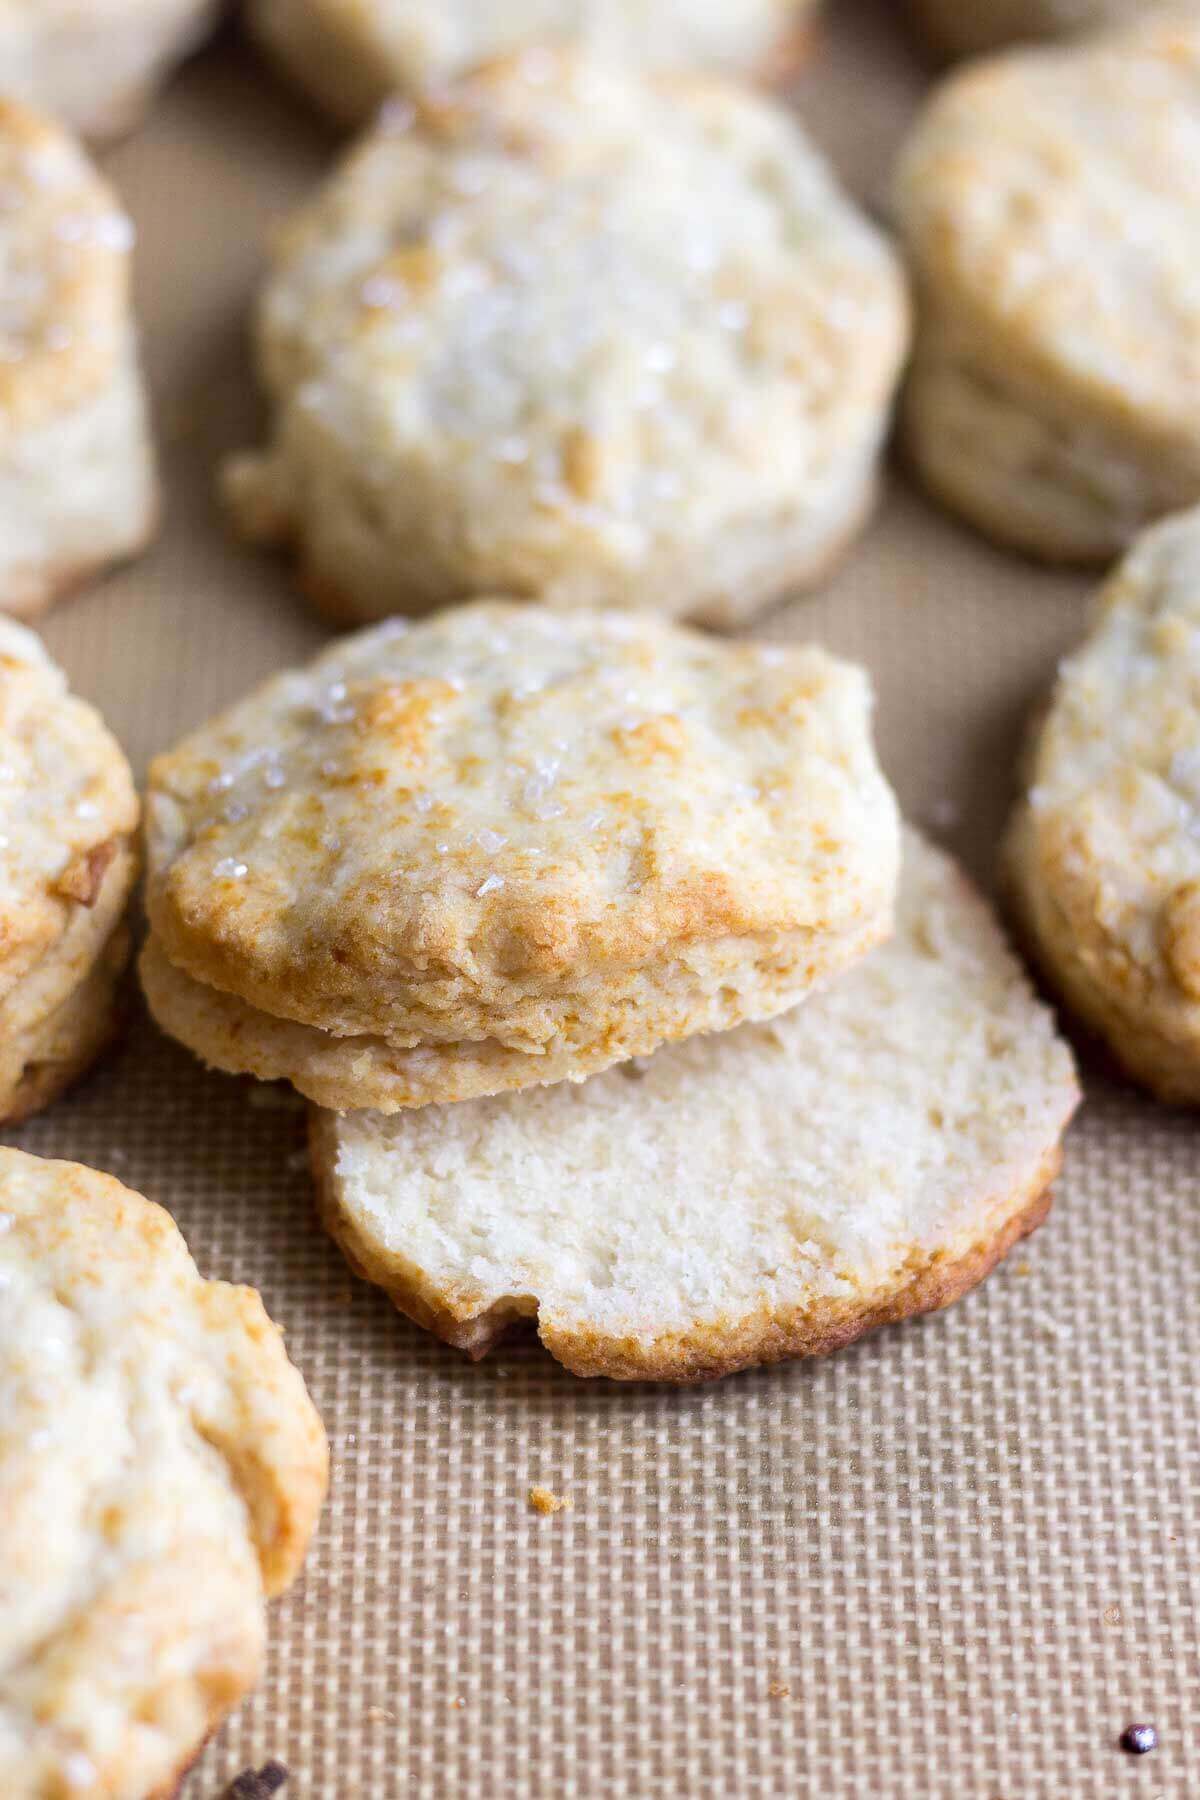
1054, 399
771, 1193
68, 814
95, 64
970, 27
350, 55
565, 333
508, 846
1104, 850
162, 1469
77, 485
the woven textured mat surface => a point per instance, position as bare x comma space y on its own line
952, 1562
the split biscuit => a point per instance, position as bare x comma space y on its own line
510, 846
562, 332
771, 1193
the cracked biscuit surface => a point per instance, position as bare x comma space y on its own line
563, 332
161, 1472
68, 861
77, 483
1054, 398
772, 1192
349, 55
508, 845
1104, 849
95, 64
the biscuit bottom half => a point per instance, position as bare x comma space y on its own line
738, 1199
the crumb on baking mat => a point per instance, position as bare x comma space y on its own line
544, 1501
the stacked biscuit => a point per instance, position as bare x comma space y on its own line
449, 874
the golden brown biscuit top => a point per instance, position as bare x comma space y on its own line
641, 307
66, 795
161, 1468
505, 795
64, 271
1052, 198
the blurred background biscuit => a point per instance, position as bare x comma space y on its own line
349, 55
77, 482
95, 64
1054, 398
564, 332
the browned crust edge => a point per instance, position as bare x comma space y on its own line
1121, 1050
42, 1083
924, 1285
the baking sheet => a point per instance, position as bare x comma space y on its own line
952, 1562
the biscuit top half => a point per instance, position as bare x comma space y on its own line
1051, 200
504, 795
430, 39
67, 802
64, 272
569, 292
161, 1468
1114, 794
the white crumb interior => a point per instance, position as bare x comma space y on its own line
900, 1113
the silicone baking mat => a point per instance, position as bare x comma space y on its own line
951, 1563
